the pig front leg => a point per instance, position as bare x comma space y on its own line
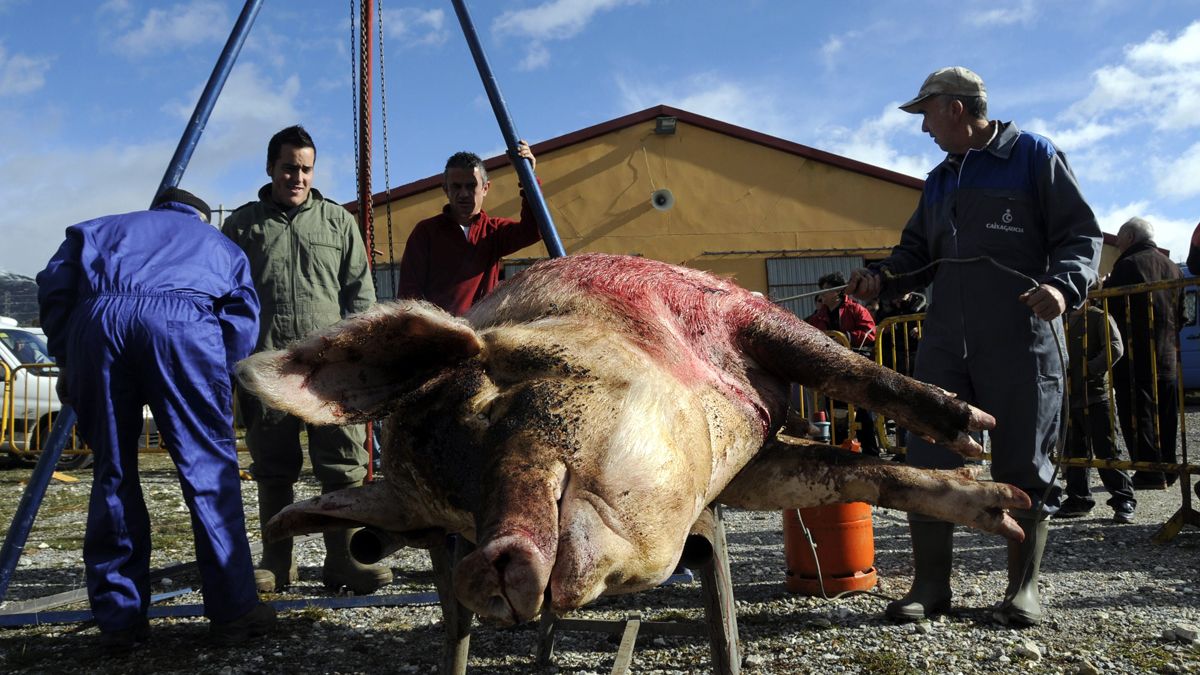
795, 351
793, 473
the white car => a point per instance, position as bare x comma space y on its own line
29, 399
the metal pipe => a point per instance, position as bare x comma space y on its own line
369, 545
698, 547
31, 498
533, 191
208, 99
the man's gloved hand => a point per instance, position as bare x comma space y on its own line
864, 284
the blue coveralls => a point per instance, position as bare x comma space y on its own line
155, 307
1016, 202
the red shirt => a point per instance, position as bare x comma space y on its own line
454, 271
852, 319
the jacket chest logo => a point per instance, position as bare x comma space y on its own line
1005, 224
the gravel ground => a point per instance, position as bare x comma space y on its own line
1117, 603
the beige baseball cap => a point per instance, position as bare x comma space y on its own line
954, 81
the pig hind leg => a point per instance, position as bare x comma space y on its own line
792, 473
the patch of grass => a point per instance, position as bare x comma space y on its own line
882, 663
1143, 658
313, 614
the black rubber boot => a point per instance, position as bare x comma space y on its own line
1021, 606
341, 570
254, 623
278, 569
933, 552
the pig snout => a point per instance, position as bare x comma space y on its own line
503, 581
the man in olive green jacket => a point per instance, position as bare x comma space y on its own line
310, 269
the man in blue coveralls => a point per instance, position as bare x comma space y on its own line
155, 307
993, 336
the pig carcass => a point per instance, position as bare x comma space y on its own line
576, 422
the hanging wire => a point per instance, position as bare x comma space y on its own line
387, 181
649, 173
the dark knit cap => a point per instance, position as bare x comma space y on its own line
174, 194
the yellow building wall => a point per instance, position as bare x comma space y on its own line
736, 202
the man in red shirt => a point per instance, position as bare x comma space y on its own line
453, 258
837, 311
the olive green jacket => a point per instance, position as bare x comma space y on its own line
309, 271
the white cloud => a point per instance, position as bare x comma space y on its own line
706, 94
874, 142
1136, 127
165, 30
1179, 178
416, 27
553, 20
831, 50
1157, 84
536, 57
1075, 138
1022, 12
1172, 234
21, 74
236, 135
1158, 51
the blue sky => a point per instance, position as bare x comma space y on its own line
94, 95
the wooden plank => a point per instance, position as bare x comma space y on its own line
625, 652
455, 617
719, 609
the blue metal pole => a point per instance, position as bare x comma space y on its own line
533, 191
208, 99
31, 498
35, 490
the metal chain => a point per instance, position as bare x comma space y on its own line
363, 95
387, 181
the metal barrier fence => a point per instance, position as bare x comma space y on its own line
29, 407
896, 345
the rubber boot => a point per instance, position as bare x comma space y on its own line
933, 552
278, 569
1021, 607
342, 570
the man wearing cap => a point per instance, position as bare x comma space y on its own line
155, 307
993, 331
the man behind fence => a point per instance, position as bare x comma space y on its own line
1145, 387
1093, 342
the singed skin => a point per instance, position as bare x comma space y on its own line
580, 418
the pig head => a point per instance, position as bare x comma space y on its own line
578, 420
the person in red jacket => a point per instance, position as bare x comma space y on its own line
453, 258
838, 312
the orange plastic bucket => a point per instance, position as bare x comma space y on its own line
845, 543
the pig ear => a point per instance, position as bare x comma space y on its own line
353, 370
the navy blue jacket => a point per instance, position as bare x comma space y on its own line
1016, 202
